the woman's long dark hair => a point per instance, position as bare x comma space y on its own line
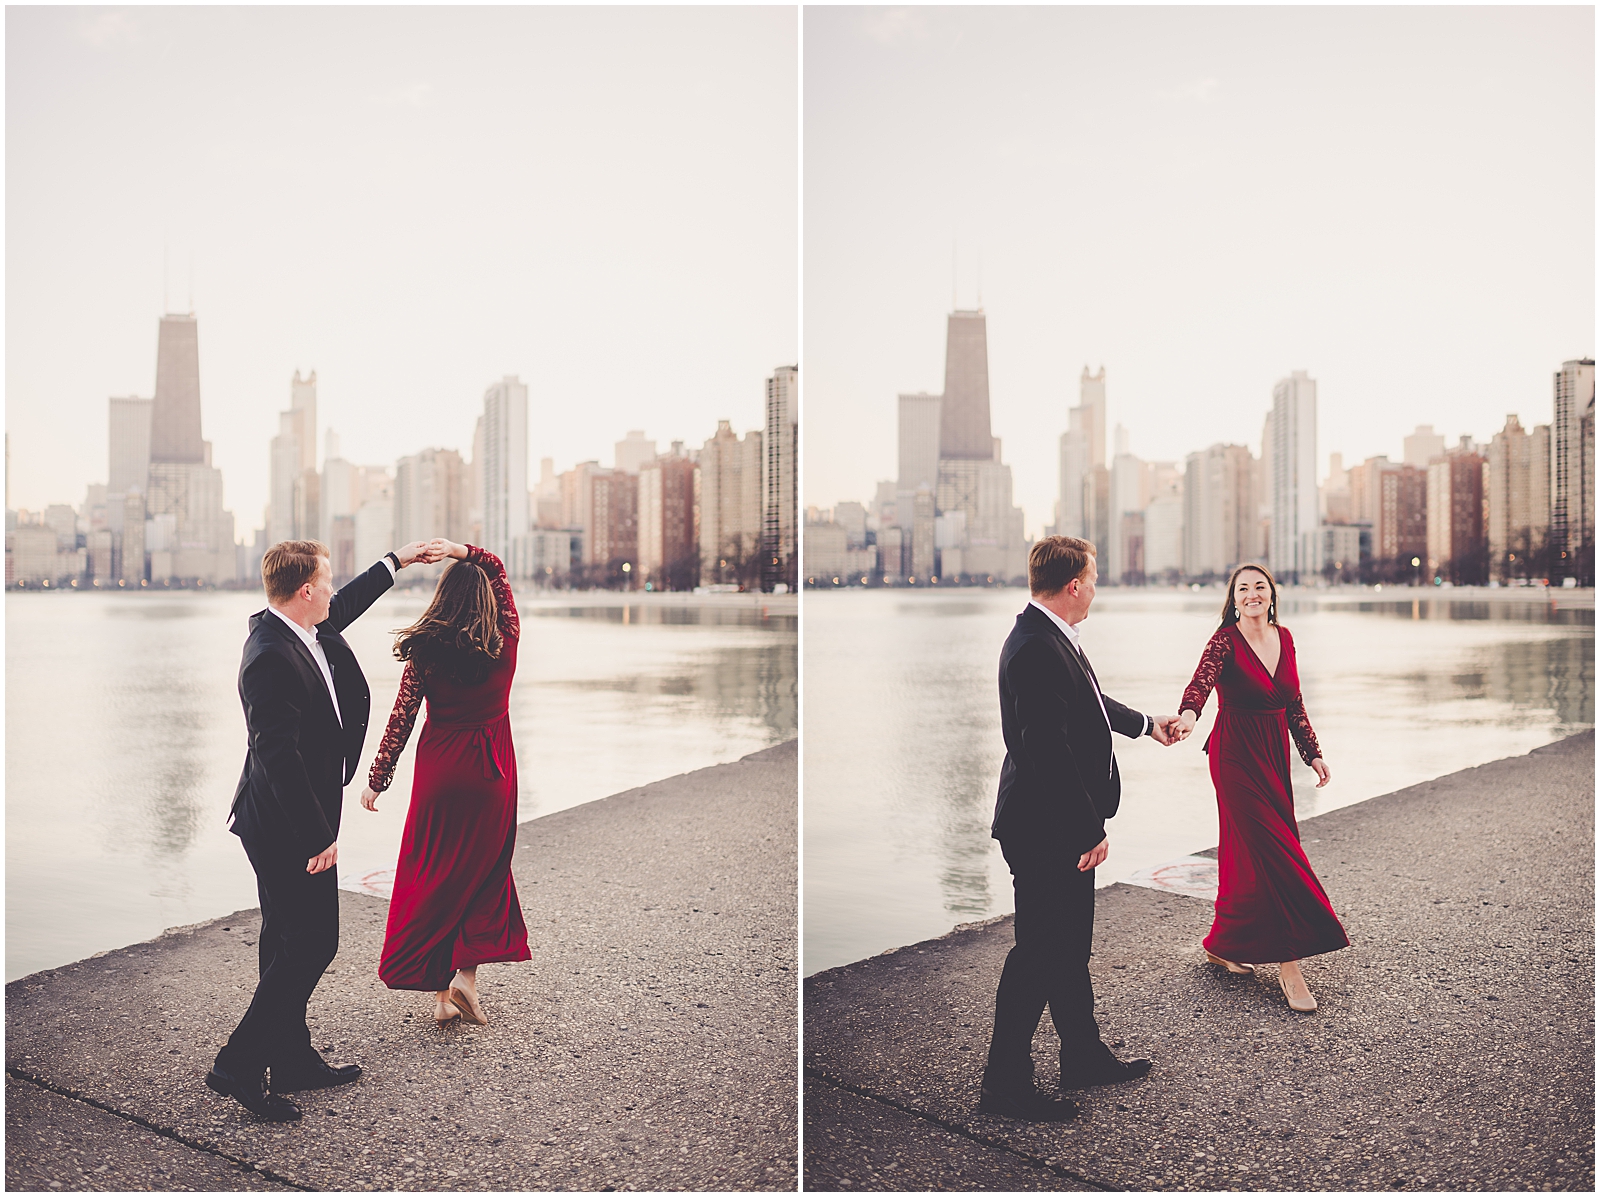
458, 635
1230, 614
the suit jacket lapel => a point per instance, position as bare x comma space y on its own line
303, 654
1072, 654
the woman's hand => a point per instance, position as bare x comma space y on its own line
416, 551
440, 548
1320, 767
1186, 722
369, 798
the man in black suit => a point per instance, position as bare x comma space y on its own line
1058, 786
306, 705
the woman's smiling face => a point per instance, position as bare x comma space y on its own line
1252, 593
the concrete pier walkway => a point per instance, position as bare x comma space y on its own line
649, 1044
1454, 1047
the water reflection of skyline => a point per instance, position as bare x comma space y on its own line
125, 740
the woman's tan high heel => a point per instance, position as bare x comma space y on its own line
468, 1005
1243, 970
451, 1010
1303, 1001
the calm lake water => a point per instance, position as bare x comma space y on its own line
902, 746
124, 741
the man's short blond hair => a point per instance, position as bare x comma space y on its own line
1055, 561
289, 565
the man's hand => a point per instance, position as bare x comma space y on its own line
416, 551
442, 549
369, 798
1165, 729
1095, 855
325, 859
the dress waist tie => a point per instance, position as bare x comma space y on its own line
1223, 708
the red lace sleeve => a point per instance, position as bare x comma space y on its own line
1300, 728
510, 625
406, 705
1218, 649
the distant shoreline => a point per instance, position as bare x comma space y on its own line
1579, 598
773, 604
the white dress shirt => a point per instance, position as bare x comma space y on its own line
309, 639
1070, 631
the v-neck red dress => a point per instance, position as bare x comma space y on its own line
1270, 905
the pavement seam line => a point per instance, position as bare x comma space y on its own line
164, 1132
957, 1128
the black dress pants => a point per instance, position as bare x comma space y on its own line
299, 939
1049, 964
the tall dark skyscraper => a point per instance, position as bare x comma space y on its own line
964, 419
175, 414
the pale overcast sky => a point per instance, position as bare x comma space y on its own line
412, 202
1400, 201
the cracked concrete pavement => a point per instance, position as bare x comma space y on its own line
1454, 1047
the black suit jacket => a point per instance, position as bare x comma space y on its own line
291, 792
1059, 783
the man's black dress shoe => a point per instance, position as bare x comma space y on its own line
1026, 1103
314, 1075
1101, 1070
253, 1096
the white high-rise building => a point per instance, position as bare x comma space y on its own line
1294, 554
340, 480
1571, 475
294, 501
283, 470
1163, 524
129, 465
919, 450
503, 475
780, 517
731, 497
634, 451
1423, 445
1219, 510
1082, 452
1129, 495
303, 406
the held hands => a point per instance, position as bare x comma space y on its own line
1171, 729
369, 798
325, 859
411, 554
426, 552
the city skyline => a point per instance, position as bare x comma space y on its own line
422, 201
1201, 201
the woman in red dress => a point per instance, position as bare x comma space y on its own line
1270, 906
455, 904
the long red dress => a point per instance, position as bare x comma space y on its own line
455, 903
1270, 905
